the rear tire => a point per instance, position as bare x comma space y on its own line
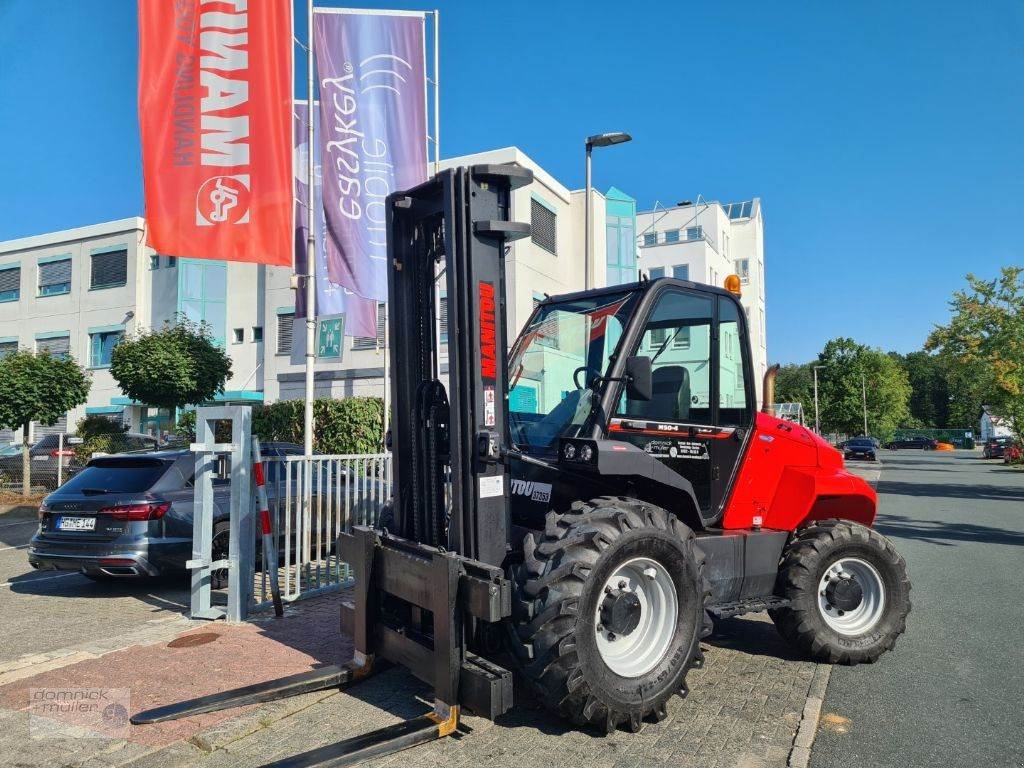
610, 553
857, 569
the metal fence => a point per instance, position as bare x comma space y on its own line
344, 490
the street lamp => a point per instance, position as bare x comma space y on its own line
599, 140
817, 421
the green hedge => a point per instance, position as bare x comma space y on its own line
351, 425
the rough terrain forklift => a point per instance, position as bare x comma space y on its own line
577, 512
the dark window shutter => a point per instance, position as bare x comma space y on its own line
544, 227
443, 321
109, 269
54, 273
10, 279
58, 346
285, 324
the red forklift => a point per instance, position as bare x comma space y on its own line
577, 512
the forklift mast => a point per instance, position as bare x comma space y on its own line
450, 234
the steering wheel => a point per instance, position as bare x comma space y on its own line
584, 368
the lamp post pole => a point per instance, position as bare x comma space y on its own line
864, 401
598, 140
586, 222
817, 419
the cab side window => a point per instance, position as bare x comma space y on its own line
677, 338
732, 389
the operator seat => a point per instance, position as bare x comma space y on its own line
670, 396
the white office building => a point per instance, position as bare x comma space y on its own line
79, 291
705, 242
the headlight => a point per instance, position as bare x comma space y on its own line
586, 453
570, 451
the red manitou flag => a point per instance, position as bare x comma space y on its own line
215, 109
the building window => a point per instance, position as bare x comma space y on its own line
366, 342
172, 261
109, 269
202, 295
694, 233
650, 238
238, 335
743, 270
55, 277
620, 247
57, 346
547, 332
654, 273
257, 333
154, 261
285, 321
681, 271
671, 235
101, 345
10, 284
544, 226
7, 347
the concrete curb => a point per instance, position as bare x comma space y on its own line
800, 755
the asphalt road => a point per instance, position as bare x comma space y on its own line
50, 610
952, 692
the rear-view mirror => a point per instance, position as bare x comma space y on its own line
638, 378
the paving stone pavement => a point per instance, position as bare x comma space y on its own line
743, 711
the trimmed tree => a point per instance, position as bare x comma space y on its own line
171, 367
35, 386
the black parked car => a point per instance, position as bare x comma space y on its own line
860, 448
918, 443
131, 514
43, 456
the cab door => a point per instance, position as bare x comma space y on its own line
677, 424
734, 415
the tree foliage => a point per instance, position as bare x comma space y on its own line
983, 344
35, 386
840, 390
794, 383
929, 390
176, 365
99, 435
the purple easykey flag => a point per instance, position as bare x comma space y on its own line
373, 133
331, 298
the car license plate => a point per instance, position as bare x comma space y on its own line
76, 523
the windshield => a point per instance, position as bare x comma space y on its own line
555, 362
861, 442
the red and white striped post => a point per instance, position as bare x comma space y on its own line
267, 527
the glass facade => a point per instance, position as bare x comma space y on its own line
620, 237
202, 295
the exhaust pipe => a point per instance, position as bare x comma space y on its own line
768, 390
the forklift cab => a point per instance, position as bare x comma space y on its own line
663, 366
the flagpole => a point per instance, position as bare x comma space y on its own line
310, 245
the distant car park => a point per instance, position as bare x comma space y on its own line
50, 453
912, 443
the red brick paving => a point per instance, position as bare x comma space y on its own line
243, 654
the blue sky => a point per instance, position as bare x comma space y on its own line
885, 139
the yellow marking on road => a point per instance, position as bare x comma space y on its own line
836, 723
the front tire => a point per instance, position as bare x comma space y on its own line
849, 593
611, 609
